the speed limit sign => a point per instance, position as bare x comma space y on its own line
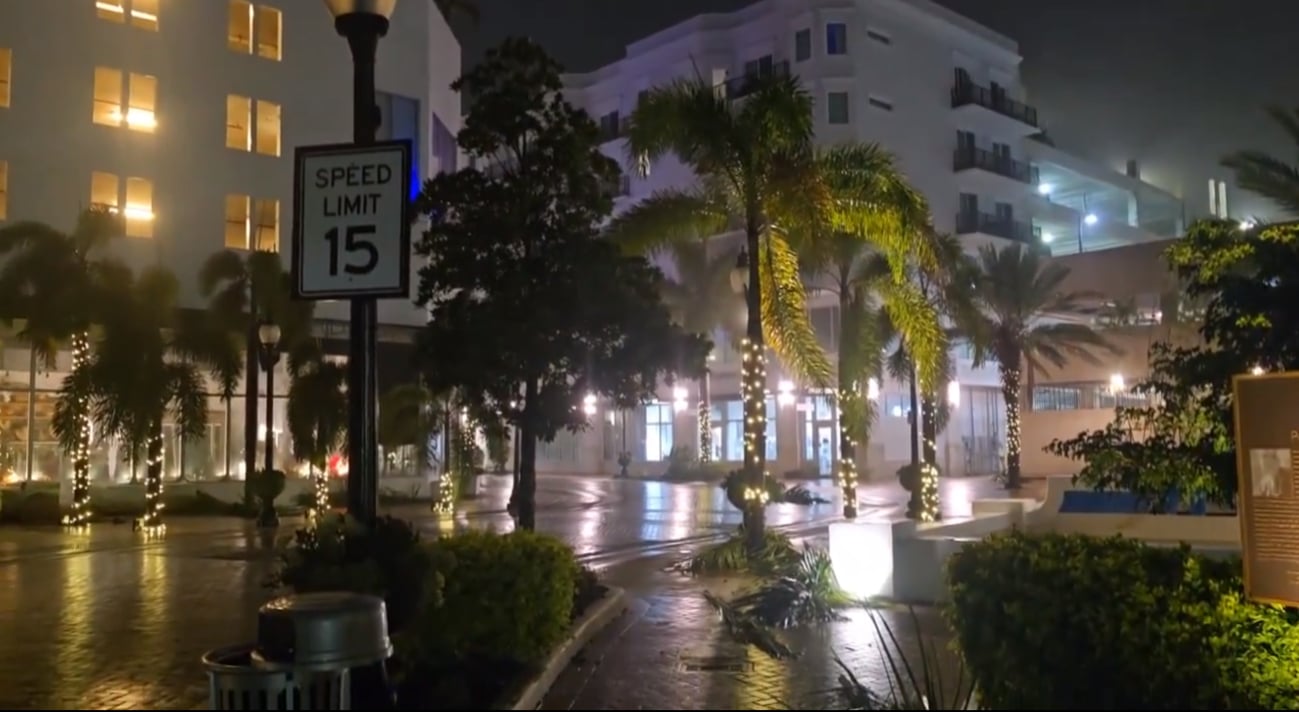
352, 216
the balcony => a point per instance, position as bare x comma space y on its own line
745, 84
966, 158
966, 93
971, 223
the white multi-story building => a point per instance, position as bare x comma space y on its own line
940, 92
184, 115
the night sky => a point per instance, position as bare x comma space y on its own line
1174, 84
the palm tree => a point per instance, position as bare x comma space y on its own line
857, 265
51, 276
1271, 177
142, 366
244, 291
702, 300
753, 161
318, 419
411, 415
1022, 319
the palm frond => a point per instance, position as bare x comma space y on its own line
665, 218
690, 119
916, 319
186, 397
1262, 173
785, 317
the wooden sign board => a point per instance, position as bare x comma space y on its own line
1267, 467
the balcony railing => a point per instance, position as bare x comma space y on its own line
968, 157
968, 222
745, 84
970, 93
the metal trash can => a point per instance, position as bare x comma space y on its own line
307, 648
236, 682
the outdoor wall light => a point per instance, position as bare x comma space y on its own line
679, 403
1090, 219
1256, 371
1043, 188
588, 404
954, 393
785, 393
1116, 383
1047, 238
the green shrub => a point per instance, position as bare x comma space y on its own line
34, 506
505, 597
387, 560
1074, 622
778, 555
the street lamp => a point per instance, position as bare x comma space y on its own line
268, 335
362, 23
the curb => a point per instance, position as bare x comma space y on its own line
592, 622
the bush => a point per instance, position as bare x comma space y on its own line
505, 598
387, 560
778, 554
1074, 622
35, 506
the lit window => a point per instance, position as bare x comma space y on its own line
267, 25
4, 190
144, 95
139, 207
238, 217
240, 27
267, 213
144, 14
658, 431
268, 128
239, 120
111, 10
103, 191
108, 97
6, 59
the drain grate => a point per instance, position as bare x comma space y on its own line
715, 663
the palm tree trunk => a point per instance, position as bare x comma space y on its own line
913, 419
251, 368
226, 445
927, 483
753, 389
1010, 393
706, 416
153, 477
31, 413
524, 495
848, 405
80, 514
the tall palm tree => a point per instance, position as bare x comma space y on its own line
51, 276
753, 161
1267, 175
411, 415
317, 420
857, 265
243, 291
702, 300
143, 365
1022, 319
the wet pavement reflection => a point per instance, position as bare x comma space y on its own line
107, 620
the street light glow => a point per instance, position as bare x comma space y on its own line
1091, 219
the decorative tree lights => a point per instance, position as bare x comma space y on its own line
753, 379
79, 514
925, 494
446, 499
851, 409
151, 521
321, 492
705, 432
1010, 392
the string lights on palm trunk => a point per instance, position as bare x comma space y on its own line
79, 514
927, 486
753, 380
321, 482
705, 433
846, 472
151, 522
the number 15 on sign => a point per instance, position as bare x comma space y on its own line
351, 229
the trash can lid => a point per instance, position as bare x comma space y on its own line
323, 631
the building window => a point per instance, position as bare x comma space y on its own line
658, 431
239, 123
401, 123
4, 190
772, 450
445, 150
105, 195
803, 45
268, 128
142, 96
879, 36
139, 207
103, 191
252, 224
238, 220
143, 13
879, 103
267, 226
837, 107
728, 431
897, 405
836, 38
6, 72
258, 27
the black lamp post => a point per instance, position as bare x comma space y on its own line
362, 23
268, 337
